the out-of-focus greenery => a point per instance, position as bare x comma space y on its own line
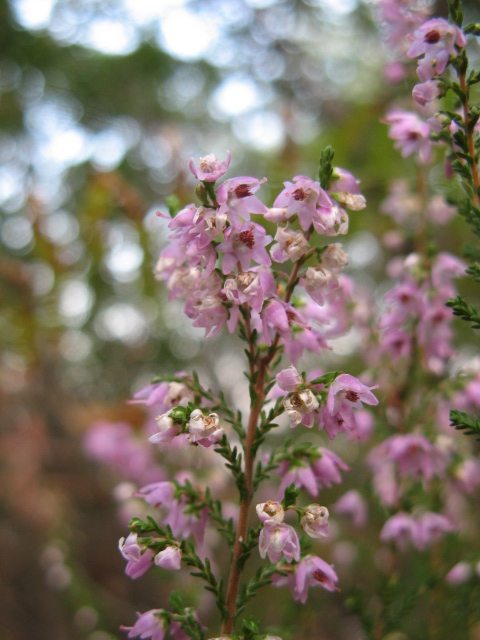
91, 143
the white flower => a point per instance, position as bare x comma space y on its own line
298, 404
204, 428
315, 521
334, 257
352, 201
270, 512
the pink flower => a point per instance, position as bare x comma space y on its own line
277, 540
129, 547
414, 454
243, 245
246, 287
394, 72
319, 282
115, 444
207, 312
151, 395
136, 568
467, 475
397, 343
435, 40
274, 316
327, 468
301, 474
236, 198
431, 527
167, 429
400, 528
330, 220
312, 571
157, 493
411, 134
426, 92
289, 379
345, 190
353, 505
348, 390
184, 523
209, 169
170, 558
149, 625
342, 422
292, 245
302, 197
400, 17
459, 574
445, 268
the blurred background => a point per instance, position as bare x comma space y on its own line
102, 103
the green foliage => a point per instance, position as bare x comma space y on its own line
327, 378
455, 12
325, 169
234, 463
185, 617
465, 422
204, 572
226, 528
465, 311
290, 498
173, 204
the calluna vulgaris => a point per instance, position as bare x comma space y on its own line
273, 276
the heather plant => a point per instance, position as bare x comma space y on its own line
273, 277
281, 299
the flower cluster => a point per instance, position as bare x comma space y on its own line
416, 316
435, 41
336, 412
218, 258
280, 541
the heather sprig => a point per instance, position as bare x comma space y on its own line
220, 263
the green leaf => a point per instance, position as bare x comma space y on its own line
465, 311
173, 204
465, 422
325, 169
472, 28
290, 497
327, 378
474, 272
176, 602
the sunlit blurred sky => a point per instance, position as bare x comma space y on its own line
245, 99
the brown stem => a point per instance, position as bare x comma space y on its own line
469, 134
259, 388
235, 572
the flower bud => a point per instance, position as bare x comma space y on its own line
178, 414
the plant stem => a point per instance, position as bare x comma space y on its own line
469, 134
235, 572
259, 388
